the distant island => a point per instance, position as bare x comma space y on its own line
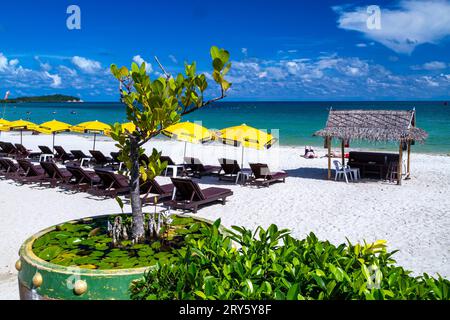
48, 98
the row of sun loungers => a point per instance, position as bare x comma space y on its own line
106, 183
102, 181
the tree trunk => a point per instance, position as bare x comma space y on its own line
137, 231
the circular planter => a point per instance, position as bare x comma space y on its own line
42, 280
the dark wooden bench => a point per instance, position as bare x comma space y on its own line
372, 164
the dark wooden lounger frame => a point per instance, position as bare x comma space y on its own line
189, 196
111, 185
262, 176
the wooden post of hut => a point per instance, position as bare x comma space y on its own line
343, 152
329, 157
400, 164
408, 161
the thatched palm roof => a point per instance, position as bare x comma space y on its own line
372, 125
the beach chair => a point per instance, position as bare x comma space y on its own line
25, 153
229, 169
169, 160
342, 171
262, 176
45, 150
151, 186
171, 165
111, 185
117, 163
194, 167
33, 173
56, 176
100, 158
62, 155
81, 179
8, 150
10, 169
80, 157
189, 196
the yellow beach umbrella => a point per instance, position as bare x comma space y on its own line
188, 132
246, 137
3, 124
95, 127
53, 127
128, 126
21, 125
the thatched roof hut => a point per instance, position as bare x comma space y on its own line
397, 126
373, 125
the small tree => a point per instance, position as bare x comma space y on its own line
152, 106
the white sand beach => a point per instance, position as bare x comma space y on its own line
414, 218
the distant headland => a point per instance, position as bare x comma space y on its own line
47, 98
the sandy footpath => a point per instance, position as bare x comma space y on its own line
413, 218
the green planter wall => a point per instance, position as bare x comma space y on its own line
42, 280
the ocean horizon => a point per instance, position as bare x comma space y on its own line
296, 121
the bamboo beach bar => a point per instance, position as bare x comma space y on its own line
395, 126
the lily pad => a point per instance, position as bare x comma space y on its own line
49, 253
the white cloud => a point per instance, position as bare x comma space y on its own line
86, 65
403, 28
3, 62
56, 79
13, 62
139, 60
244, 51
432, 65
173, 58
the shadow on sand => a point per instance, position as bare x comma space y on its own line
308, 173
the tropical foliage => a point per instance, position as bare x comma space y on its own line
271, 264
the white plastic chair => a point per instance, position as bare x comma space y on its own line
342, 171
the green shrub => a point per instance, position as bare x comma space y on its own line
270, 264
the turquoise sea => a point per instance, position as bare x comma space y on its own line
296, 121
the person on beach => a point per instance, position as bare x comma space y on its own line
309, 153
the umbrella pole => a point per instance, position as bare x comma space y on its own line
184, 154
95, 136
53, 147
242, 159
21, 137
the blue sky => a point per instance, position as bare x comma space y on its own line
281, 50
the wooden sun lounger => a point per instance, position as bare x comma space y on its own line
11, 170
151, 186
62, 155
111, 185
56, 175
262, 176
189, 196
100, 158
195, 168
45, 150
81, 179
33, 173
25, 153
229, 169
8, 150
169, 160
